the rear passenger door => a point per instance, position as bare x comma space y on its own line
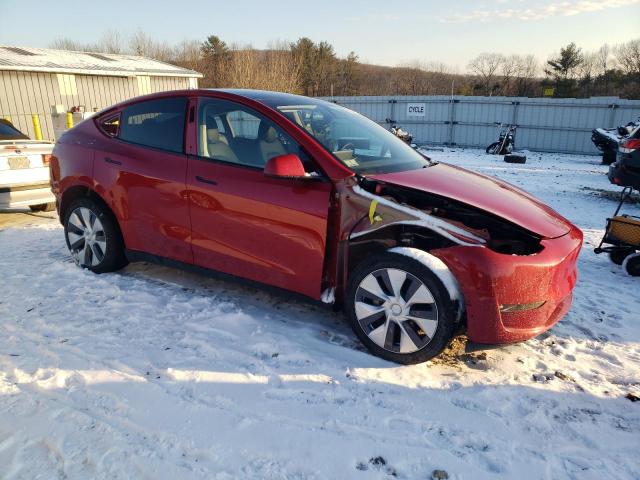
142, 172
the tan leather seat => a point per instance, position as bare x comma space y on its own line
270, 144
216, 147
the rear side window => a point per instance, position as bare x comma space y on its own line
155, 123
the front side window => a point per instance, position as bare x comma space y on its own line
362, 145
155, 123
230, 132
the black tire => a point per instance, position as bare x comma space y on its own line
618, 255
444, 308
608, 157
515, 158
632, 266
113, 255
493, 148
43, 207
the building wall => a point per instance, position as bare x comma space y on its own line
23, 94
544, 124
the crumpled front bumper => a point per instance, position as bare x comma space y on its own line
499, 290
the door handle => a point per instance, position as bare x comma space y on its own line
112, 161
206, 180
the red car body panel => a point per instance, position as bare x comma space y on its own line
486, 193
490, 280
294, 234
146, 189
258, 227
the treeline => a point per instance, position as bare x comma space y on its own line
314, 68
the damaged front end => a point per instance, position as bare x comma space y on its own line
399, 216
513, 283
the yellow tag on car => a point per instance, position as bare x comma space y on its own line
373, 218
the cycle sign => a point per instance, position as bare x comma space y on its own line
416, 109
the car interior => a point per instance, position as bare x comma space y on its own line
240, 137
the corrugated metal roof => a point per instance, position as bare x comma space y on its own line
86, 63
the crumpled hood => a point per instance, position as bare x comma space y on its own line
486, 193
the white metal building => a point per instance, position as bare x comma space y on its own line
49, 82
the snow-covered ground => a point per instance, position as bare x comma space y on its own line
153, 373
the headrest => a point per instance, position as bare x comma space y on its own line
266, 132
213, 135
270, 135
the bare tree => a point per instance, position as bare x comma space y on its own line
509, 69
275, 69
486, 66
145, 46
527, 71
64, 43
628, 56
110, 42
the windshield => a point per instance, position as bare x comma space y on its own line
362, 145
9, 132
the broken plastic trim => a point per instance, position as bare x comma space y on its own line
441, 227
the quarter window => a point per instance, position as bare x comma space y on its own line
110, 125
155, 123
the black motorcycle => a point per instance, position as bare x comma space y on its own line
406, 137
506, 143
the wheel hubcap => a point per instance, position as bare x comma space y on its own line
396, 310
87, 240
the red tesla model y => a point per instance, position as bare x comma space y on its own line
310, 197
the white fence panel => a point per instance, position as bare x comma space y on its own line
544, 124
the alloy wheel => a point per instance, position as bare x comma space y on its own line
396, 310
86, 237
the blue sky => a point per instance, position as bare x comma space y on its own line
386, 32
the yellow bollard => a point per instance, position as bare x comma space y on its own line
69, 120
36, 126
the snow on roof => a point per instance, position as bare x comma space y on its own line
87, 63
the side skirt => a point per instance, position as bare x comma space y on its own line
135, 256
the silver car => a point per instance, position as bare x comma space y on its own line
24, 170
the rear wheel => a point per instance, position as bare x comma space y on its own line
618, 255
399, 309
632, 265
93, 236
43, 207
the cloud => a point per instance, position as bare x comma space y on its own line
555, 9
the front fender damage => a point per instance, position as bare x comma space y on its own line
440, 270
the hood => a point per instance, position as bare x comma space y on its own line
486, 193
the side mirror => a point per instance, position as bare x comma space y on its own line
285, 166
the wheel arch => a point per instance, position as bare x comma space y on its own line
393, 236
83, 191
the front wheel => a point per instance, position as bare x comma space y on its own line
93, 236
493, 148
399, 309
